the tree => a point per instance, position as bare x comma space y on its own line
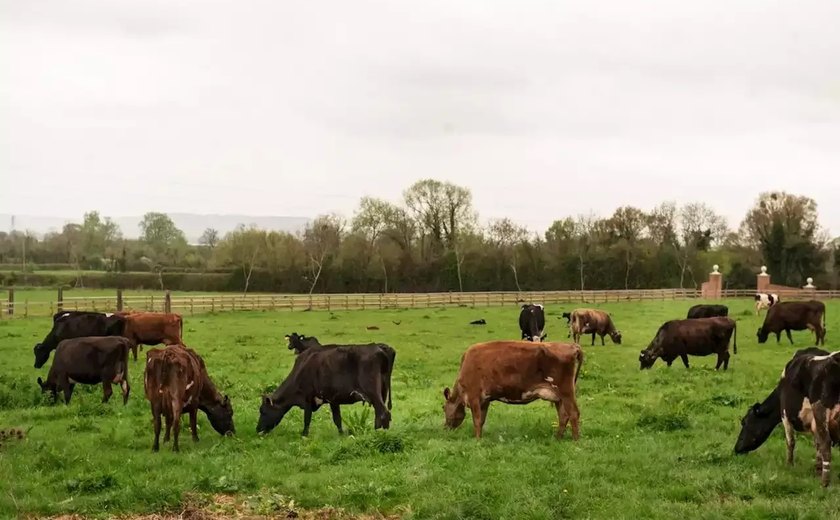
244, 247
441, 210
785, 229
321, 239
507, 236
626, 227
209, 238
160, 234
699, 229
372, 220
584, 229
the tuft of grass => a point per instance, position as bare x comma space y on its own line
663, 421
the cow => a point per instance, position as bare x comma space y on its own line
152, 328
176, 381
568, 317
806, 399
694, 337
69, 325
765, 301
707, 311
532, 322
336, 375
591, 321
787, 316
515, 372
300, 343
89, 360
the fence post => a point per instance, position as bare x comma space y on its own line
60, 303
11, 301
167, 302
329, 303
213, 304
192, 311
26, 308
380, 300
119, 300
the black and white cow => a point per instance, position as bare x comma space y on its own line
532, 322
765, 301
806, 399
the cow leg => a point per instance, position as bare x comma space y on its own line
787, 331
684, 358
723, 359
562, 418
68, 392
126, 389
156, 420
336, 415
307, 418
194, 424
477, 417
176, 424
823, 441
484, 407
593, 339
818, 458
573, 413
107, 392
790, 438
602, 340
134, 351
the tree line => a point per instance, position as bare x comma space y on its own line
432, 241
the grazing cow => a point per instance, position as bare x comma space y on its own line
532, 322
89, 361
806, 399
333, 374
176, 381
591, 321
765, 301
515, 372
707, 311
695, 337
152, 328
69, 324
788, 316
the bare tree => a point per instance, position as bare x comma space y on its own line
700, 228
321, 239
507, 236
244, 247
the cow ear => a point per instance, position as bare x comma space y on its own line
287, 337
446, 393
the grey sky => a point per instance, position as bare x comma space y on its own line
543, 108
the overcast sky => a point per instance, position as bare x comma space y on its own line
543, 108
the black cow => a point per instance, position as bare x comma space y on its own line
695, 337
707, 311
89, 361
532, 322
806, 400
333, 374
70, 324
788, 316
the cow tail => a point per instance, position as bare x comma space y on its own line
735, 338
579, 358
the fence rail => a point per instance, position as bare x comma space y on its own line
299, 302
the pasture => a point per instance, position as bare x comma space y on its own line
654, 444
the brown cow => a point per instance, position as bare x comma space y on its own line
152, 328
176, 381
591, 321
515, 372
787, 316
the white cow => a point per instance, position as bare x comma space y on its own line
765, 301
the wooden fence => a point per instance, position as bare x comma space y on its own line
188, 305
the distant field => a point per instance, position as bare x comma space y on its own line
46, 295
654, 444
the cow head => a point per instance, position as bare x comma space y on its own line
271, 414
453, 409
221, 416
756, 426
300, 343
44, 386
616, 337
646, 359
567, 316
42, 354
762, 335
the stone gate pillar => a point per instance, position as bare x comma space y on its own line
712, 289
762, 283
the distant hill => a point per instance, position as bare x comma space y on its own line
191, 224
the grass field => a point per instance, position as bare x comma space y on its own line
654, 444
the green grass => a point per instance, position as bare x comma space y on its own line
654, 444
